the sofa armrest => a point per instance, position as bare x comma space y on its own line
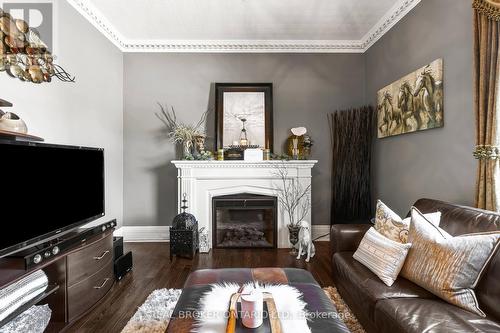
346, 237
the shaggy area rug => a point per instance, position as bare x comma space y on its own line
153, 316
343, 310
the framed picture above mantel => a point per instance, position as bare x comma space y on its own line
244, 115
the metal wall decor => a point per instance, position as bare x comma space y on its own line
24, 55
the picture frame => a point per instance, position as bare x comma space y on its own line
244, 105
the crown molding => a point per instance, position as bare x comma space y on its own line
101, 23
245, 46
390, 19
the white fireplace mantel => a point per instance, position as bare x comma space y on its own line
203, 180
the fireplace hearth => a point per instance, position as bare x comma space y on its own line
244, 221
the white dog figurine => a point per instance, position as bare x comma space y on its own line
306, 245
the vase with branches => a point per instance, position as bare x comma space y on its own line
295, 199
181, 133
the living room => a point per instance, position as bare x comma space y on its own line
250, 166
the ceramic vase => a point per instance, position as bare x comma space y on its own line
252, 307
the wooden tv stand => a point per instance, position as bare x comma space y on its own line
78, 279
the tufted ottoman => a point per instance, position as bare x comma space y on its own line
198, 283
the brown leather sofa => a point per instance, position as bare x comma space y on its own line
406, 307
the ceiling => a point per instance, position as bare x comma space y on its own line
324, 26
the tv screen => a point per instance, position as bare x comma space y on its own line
46, 190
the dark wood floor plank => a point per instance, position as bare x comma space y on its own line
153, 270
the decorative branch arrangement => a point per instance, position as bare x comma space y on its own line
182, 133
293, 197
352, 132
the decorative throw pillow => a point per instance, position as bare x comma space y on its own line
390, 225
447, 266
382, 256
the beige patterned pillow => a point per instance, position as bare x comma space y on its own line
381, 255
447, 266
390, 225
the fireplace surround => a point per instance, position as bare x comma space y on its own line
244, 221
202, 181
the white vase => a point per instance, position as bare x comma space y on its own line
252, 307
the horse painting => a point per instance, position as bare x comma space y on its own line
406, 103
417, 104
393, 119
432, 97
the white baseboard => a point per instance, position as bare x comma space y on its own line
161, 233
321, 230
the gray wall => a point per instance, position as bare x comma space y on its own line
88, 112
437, 163
306, 88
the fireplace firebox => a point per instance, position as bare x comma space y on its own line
244, 221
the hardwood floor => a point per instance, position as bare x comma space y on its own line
153, 270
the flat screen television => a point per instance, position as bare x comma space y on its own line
47, 190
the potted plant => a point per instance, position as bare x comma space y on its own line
295, 200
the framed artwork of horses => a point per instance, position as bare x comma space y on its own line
413, 103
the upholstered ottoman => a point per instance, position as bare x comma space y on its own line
324, 319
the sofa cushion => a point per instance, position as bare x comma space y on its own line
381, 255
428, 315
459, 220
389, 224
447, 266
366, 287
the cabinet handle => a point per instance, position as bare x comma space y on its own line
103, 284
101, 256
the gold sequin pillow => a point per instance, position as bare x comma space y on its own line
390, 225
449, 267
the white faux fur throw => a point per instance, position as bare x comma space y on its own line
215, 304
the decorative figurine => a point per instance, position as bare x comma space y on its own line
299, 144
306, 245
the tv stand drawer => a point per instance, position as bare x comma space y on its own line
82, 296
90, 260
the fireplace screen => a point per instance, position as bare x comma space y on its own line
244, 221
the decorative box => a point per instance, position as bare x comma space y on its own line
233, 154
253, 155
